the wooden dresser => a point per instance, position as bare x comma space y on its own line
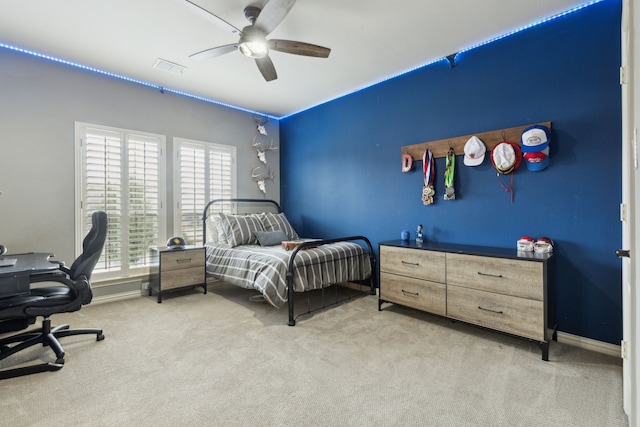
497, 288
173, 269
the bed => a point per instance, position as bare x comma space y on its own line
244, 248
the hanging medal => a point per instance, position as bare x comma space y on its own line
449, 192
428, 170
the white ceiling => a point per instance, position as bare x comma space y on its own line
371, 40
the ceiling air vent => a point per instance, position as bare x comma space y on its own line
169, 67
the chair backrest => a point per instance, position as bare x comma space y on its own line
92, 246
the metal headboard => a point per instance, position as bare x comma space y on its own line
206, 213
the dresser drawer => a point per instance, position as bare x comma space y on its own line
518, 316
184, 277
415, 293
419, 264
182, 259
501, 275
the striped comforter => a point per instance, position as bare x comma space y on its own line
264, 268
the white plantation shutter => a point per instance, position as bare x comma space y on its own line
205, 172
192, 191
122, 173
144, 198
102, 190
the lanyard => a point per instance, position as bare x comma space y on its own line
448, 175
450, 164
428, 171
428, 168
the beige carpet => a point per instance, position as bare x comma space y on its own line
221, 360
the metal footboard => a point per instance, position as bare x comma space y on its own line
314, 243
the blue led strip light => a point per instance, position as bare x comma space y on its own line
200, 98
128, 79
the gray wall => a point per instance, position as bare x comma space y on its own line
41, 100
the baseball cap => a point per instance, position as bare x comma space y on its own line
474, 151
537, 160
535, 138
506, 157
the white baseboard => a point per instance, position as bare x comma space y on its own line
116, 297
590, 344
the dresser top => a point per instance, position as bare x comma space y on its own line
469, 249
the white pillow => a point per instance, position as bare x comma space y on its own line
213, 233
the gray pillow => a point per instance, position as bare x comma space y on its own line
270, 238
273, 222
239, 229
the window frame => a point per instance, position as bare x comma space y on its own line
178, 142
81, 128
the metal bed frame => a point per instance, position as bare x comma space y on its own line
291, 265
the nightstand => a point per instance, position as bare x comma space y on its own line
173, 269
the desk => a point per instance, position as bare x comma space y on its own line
14, 279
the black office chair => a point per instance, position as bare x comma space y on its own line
19, 312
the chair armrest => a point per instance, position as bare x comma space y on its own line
64, 268
53, 276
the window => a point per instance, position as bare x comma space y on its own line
204, 172
121, 172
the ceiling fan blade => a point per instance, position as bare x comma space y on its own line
299, 48
272, 14
214, 52
265, 65
199, 10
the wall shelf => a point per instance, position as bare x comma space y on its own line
440, 147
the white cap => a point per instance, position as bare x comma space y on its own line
474, 151
535, 138
504, 156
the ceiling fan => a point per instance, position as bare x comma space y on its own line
253, 41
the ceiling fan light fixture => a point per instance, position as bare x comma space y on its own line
253, 43
256, 49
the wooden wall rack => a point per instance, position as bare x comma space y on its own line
440, 147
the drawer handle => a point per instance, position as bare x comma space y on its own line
488, 309
183, 260
490, 275
410, 263
415, 294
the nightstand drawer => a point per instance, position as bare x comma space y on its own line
425, 265
185, 277
181, 259
420, 294
518, 316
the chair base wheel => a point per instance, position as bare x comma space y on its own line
45, 336
28, 370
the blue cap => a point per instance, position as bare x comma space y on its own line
535, 138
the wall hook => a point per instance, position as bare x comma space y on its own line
452, 60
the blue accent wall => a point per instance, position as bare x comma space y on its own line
341, 168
